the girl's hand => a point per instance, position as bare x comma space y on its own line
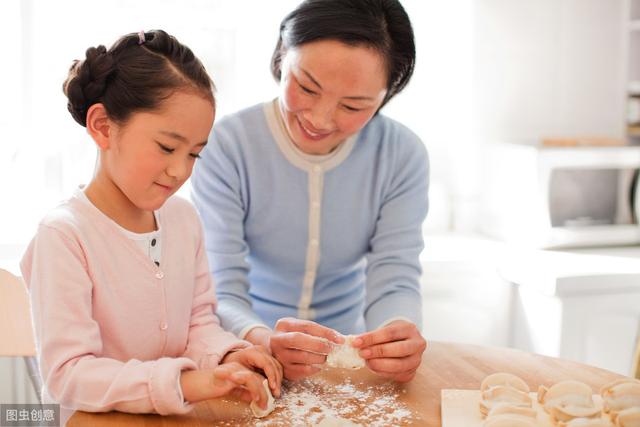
258, 358
229, 378
394, 351
301, 345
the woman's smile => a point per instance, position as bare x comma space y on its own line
310, 132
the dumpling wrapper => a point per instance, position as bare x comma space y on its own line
258, 412
345, 356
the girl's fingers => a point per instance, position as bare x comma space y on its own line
253, 383
223, 372
274, 375
234, 374
271, 368
241, 394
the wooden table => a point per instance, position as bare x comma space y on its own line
444, 365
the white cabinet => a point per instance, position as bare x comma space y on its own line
601, 329
579, 305
464, 298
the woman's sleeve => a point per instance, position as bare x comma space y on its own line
393, 265
217, 194
69, 343
208, 343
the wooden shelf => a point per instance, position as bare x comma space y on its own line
633, 130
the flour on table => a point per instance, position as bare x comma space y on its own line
258, 411
331, 421
345, 356
309, 401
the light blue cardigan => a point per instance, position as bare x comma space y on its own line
334, 239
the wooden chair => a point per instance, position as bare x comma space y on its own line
636, 358
16, 332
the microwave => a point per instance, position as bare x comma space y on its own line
561, 197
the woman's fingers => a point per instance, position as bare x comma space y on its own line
301, 344
301, 341
301, 357
400, 377
395, 365
393, 349
290, 324
298, 364
395, 331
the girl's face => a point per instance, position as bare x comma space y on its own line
329, 91
153, 153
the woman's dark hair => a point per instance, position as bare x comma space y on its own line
379, 24
136, 74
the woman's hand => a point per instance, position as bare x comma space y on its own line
301, 345
229, 378
394, 351
258, 358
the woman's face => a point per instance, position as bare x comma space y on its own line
329, 91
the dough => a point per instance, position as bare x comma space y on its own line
331, 421
345, 356
258, 412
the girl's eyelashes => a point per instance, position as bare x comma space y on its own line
170, 150
165, 148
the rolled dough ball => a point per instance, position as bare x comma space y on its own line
345, 356
258, 412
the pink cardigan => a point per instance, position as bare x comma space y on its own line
113, 331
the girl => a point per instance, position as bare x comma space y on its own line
312, 203
122, 300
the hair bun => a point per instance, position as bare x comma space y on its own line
87, 82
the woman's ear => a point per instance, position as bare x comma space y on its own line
99, 125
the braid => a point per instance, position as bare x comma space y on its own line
133, 76
87, 82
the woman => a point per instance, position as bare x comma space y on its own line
313, 203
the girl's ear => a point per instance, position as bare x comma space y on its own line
99, 125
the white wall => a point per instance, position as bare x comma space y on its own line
544, 68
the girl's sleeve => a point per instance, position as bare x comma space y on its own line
393, 264
217, 194
208, 342
69, 343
